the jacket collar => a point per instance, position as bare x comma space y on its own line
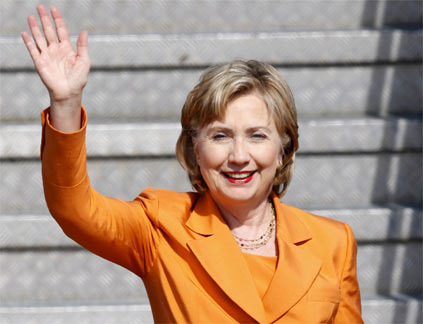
219, 254
289, 226
206, 219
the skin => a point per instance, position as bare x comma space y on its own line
63, 70
246, 144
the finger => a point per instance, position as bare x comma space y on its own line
62, 31
47, 25
30, 45
82, 44
36, 33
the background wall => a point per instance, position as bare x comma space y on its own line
355, 68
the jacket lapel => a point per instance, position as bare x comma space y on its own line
296, 268
222, 259
220, 256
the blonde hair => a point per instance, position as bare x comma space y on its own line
207, 103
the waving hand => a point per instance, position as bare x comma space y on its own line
63, 70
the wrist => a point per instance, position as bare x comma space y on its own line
65, 114
66, 102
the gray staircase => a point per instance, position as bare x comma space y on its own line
355, 68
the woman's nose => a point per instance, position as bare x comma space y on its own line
239, 153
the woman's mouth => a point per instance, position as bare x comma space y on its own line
239, 177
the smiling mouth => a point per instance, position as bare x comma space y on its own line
238, 175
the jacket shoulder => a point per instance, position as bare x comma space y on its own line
316, 222
166, 194
330, 240
323, 231
169, 202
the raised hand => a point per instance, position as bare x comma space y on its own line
63, 71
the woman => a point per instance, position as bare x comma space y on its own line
231, 252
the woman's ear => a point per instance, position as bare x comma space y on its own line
281, 155
195, 149
280, 164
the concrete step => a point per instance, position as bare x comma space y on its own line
393, 309
152, 95
77, 314
380, 223
320, 181
76, 275
164, 16
55, 275
376, 309
202, 49
372, 224
329, 135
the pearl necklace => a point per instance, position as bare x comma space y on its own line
254, 244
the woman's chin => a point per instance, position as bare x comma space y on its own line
237, 195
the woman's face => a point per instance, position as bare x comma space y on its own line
239, 154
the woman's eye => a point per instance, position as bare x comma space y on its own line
218, 136
258, 136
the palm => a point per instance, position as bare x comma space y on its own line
61, 70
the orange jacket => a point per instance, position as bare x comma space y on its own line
191, 266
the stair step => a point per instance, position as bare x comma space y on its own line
63, 276
374, 224
212, 16
306, 47
335, 135
380, 223
390, 268
348, 180
152, 95
376, 309
392, 309
80, 314
72, 274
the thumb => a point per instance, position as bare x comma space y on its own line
82, 45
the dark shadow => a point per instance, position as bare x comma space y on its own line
401, 171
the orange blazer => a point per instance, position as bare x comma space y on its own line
192, 268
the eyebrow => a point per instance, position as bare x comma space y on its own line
229, 130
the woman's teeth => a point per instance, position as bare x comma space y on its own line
239, 175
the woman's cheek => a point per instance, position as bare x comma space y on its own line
265, 155
213, 154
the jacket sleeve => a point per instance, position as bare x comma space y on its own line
349, 310
119, 231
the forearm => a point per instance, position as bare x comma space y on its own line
65, 179
63, 154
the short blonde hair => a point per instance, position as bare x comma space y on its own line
207, 103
